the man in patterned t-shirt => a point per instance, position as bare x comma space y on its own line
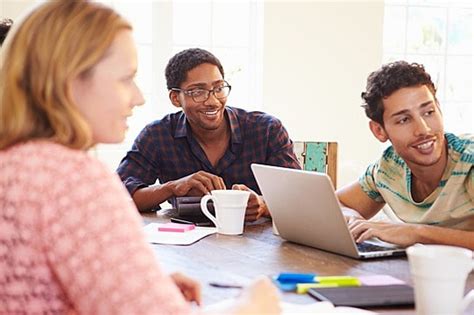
426, 176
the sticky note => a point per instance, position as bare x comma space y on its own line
175, 227
379, 280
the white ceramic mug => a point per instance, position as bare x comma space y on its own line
439, 274
229, 206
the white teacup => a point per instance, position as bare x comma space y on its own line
439, 274
229, 206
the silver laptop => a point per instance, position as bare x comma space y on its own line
306, 211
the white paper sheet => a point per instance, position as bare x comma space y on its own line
176, 238
319, 308
296, 309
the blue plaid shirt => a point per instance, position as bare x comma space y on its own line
166, 150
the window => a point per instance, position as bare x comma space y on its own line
437, 34
233, 31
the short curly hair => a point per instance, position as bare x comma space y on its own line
186, 60
388, 79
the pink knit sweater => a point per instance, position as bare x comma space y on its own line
71, 239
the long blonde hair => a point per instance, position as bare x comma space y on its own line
56, 43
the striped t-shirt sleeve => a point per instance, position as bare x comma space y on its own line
367, 183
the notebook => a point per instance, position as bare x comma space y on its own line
188, 211
366, 296
305, 210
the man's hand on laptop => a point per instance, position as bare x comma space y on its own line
351, 214
402, 234
256, 206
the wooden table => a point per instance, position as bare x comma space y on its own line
239, 259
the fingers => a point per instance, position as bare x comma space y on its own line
200, 185
194, 291
350, 219
201, 182
217, 182
182, 186
262, 209
251, 214
263, 284
250, 218
256, 212
222, 183
190, 288
357, 227
254, 201
363, 230
210, 181
240, 187
261, 297
253, 197
192, 294
367, 234
256, 206
193, 192
350, 215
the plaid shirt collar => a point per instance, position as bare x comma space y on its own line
182, 126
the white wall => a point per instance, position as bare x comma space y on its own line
13, 9
317, 55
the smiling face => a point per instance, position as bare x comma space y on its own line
202, 116
413, 123
106, 96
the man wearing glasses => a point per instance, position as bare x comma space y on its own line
206, 145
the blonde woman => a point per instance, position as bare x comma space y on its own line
70, 236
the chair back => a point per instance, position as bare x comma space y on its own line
318, 156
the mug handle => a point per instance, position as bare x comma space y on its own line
204, 209
466, 301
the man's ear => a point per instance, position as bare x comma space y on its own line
174, 98
378, 130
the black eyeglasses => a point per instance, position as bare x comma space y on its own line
201, 95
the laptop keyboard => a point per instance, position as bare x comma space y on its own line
368, 247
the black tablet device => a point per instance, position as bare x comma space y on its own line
366, 296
